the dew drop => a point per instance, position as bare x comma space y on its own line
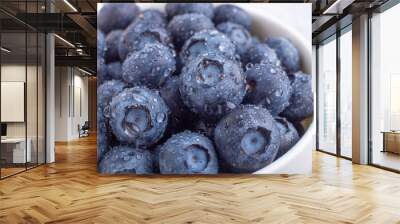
160, 117
249, 66
278, 93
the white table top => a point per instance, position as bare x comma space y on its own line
13, 140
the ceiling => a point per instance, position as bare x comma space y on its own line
75, 22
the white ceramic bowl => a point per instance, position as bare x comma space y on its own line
298, 160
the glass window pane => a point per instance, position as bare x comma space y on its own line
327, 96
31, 97
41, 98
13, 87
385, 81
346, 94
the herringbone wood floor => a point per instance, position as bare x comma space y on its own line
71, 191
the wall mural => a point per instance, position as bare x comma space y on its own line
201, 88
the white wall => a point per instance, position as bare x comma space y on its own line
70, 84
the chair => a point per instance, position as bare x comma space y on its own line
84, 130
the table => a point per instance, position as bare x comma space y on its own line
391, 141
13, 150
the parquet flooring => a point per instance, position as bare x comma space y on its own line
71, 191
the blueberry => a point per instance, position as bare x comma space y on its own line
204, 127
174, 9
238, 34
268, 86
287, 53
289, 135
255, 40
149, 66
299, 127
112, 43
102, 74
172, 97
151, 17
138, 115
231, 13
301, 102
126, 160
205, 41
101, 44
212, 85
114, 70
138, 35
182, 27
156, 158
179, 65
188, 153
115, 16
103, 134
247, 139
259, 52
105, 93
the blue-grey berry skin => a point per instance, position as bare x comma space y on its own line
182, 27
247, 139
212, 85
150, 66
126, 159
139, 116
114, 70
103, 135
299, 127
179, 65
260, 52
112, 43
268, 86
238, 35
172, 97
231, 13
174, 9
137, 35
115, 16
101, 44
287, 53
188, 153
105, 93
102, 74
255, 40
301, 102
204, 127
151, 17
206, 41
156, 158
289, 135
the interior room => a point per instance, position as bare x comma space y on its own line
50, 71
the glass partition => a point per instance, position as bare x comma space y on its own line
22, 101
385, 89
327, 96
13, 95
346, 93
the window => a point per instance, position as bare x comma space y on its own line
327, 96
385, 89
22, 77
346, 75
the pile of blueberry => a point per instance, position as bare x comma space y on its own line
193, 92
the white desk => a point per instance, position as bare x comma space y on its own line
18, 149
